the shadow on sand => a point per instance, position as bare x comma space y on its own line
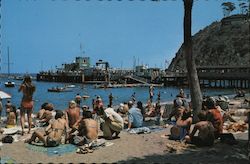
219, 153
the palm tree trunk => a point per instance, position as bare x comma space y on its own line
193, 80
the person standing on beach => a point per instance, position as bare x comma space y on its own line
151, 93
27, 102
78, 100
110, 100
133, 98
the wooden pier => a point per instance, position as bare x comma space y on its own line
214, 77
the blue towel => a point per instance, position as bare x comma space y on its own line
7, 160
58, 150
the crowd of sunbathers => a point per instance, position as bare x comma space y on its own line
79, 125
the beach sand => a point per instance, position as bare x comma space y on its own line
142, 148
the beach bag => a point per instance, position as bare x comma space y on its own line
7, 139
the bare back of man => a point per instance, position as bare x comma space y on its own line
88, 127
205, 135
73, 116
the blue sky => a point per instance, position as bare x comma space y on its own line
43, 34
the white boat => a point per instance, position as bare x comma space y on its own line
70, 86
9, 83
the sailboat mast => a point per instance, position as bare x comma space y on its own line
8, 61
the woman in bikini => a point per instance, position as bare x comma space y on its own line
27, 103
52, 135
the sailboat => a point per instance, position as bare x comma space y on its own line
9, 83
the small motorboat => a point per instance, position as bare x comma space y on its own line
9, 84
70, 86
85, 97
58, 89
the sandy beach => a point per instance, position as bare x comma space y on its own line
154, 147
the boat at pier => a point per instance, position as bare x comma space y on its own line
59, 89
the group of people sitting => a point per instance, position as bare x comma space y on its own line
70, 126
209, 126
78, 125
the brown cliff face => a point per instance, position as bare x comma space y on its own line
225, 43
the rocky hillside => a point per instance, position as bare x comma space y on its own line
224, 43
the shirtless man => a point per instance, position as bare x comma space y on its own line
53, 133
206, 132
72, 114
87, 130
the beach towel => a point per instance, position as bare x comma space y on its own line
4, 160
51, 151
141, 130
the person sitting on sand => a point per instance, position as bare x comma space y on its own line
72, 114
52, 135
206, 132
113, 123
135, 118
47, 114
41, 111
11, 117
87, 130
123, 109
8, 107
179, 102
98, 105
214, 116
150, 109
182, 126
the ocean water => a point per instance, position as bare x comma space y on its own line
61, 99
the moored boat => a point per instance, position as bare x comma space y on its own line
9, 84
59, 89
